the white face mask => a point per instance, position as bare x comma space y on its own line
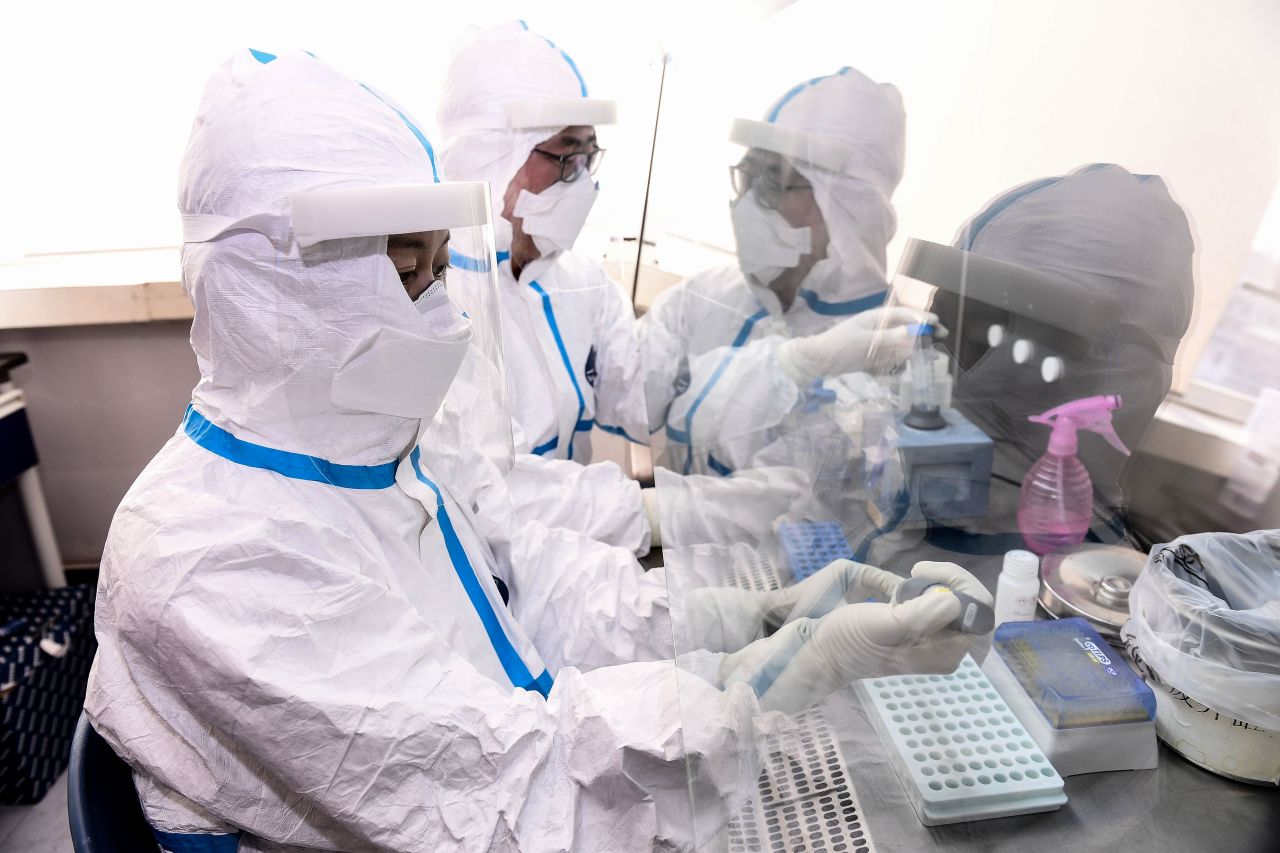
555, 216
443, 317
767, 245
404, 373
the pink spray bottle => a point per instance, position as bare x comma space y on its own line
1055, 503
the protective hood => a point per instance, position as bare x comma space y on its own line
506, 90
1104, 230
1099, 276
281, 303
846, 134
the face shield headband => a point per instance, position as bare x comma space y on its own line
370, 377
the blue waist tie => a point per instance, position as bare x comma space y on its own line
197, 842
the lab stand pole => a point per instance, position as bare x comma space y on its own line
37, 512
41, 529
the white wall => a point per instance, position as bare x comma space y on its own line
104, 94
102, 400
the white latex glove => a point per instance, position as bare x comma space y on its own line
809, 659
875, 340
726, 618
649, 496
718, 618
839, 582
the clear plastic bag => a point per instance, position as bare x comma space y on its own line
1206, 615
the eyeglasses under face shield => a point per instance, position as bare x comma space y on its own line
575, 163
769, 175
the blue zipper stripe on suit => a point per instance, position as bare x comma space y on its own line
579, 423
510, 659
743, 334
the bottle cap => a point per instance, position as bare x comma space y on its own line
1021, 564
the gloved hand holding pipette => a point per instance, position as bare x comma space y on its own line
839, 582
875, 340
724, 619
809, 658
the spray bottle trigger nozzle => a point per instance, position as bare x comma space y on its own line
1107, 431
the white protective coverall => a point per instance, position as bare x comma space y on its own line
276, 662
713, 378
569, 329
569, 336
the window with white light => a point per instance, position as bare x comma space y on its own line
1240, 358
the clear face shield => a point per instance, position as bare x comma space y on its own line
542, 163
440, 242
473, 420
774, 219
785, 184
555, 155
809, 218
540, 156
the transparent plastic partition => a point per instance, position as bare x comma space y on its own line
758, 455
826, 384
883, 472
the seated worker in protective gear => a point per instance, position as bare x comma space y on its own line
1103, 244
731, 351
514, 111
277, 663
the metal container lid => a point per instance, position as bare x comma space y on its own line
1092, 581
